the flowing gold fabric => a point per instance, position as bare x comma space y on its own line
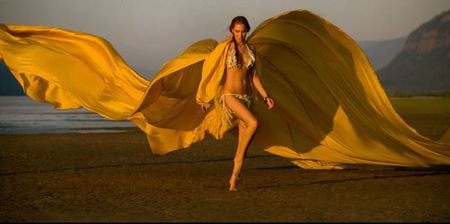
331, 110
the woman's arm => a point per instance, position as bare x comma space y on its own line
258, 86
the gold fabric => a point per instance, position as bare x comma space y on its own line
330, 112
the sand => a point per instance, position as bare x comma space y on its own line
114, 177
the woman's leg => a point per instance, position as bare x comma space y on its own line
247, 128
241, 131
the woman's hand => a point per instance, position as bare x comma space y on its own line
204, 107
269, 102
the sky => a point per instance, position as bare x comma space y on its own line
149, 32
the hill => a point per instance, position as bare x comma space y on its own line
8, 84
380, 53
423, 65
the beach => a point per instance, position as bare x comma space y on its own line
114, 177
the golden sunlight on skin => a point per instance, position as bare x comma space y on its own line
237, 82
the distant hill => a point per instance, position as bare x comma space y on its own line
380, 53
8, 84
423, 65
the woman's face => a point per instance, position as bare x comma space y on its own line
239, 32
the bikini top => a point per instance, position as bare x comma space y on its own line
232, 60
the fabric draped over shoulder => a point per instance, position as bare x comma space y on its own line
212, 73
170, 114
331, 111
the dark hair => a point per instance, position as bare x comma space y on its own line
234, 21
241, 20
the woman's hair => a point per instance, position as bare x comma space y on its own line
241, 20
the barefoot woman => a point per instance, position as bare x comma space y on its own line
240, 78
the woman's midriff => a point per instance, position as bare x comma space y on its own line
237, 81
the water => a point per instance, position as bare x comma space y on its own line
21, 115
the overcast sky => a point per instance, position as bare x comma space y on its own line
149, 32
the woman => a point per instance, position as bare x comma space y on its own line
240, 77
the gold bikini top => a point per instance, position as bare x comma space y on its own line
232, 59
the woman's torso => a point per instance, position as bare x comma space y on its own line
238, 72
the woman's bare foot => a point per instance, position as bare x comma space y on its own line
233, 181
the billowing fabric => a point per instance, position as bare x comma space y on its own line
331, 111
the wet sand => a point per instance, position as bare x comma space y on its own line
114, 177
